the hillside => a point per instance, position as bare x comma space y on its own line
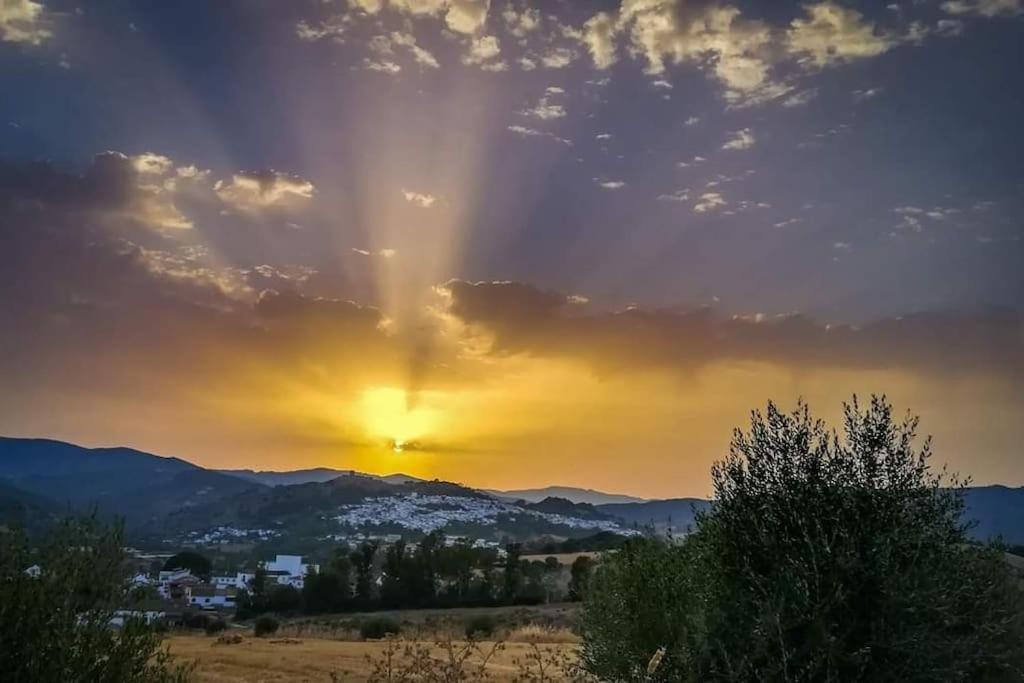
122, 481
576, 495
677, 513
308, 476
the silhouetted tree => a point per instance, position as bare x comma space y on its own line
820, 559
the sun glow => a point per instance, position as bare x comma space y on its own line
389, 416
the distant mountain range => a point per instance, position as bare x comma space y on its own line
171, 499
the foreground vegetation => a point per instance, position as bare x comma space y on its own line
821, 559
56, 604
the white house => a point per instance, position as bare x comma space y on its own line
290, 564
211, 597
239, 580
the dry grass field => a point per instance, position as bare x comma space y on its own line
315, 659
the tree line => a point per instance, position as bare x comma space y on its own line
428, 573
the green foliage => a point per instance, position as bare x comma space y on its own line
480, 626
376, 628
820, 559
55, 623
579, 577
194, 562
265, 625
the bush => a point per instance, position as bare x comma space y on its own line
215, 626
376, 628
480, 626
820, 559
197, 620
265, 625
55, 623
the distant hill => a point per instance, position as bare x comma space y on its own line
314, 475
122, 481
165, 497
576, 495
996, 511
677, 513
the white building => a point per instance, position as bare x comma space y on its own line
239, 580
211, 597
291, 565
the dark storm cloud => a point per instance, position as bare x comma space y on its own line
524, 318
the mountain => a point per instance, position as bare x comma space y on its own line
677, 513
576, 495
996, 511
122, 481
352, 507
316, 474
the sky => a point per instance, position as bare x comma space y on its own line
509, 243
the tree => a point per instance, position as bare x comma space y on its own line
194, 562
55, 620
821, 558
512, 578
362, 562
579, 575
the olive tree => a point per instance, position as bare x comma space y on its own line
827, 558
57, 599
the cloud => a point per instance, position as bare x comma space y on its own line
467, 16
424, 201
610, 184
741, 139
333, 28
521, 22
692, 121
799, 99
525, 132
984, 8
525, 319
833, 34
422, 56
258, 190
545, 110
599, 38
383, 66
709, 201
482, 50
23, 21
677, 196
557, 58
866, 94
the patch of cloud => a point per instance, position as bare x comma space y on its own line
741, 139
800, 98
333, 28
424, 201
384, 66
525, 132
466, 16
984, 8
833, 34
482, 51
519, 22
422, 56
557, 58
866, 94
709, 201
677, 196
610, 184
23, 21
545, 110
254, 191
598, 36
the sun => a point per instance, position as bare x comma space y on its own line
388, 416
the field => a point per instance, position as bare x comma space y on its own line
314, 659
312, 649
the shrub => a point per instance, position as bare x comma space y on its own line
821, 558
480, 626
376, 628
55, 623
265, 625
197, 620
214, 626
